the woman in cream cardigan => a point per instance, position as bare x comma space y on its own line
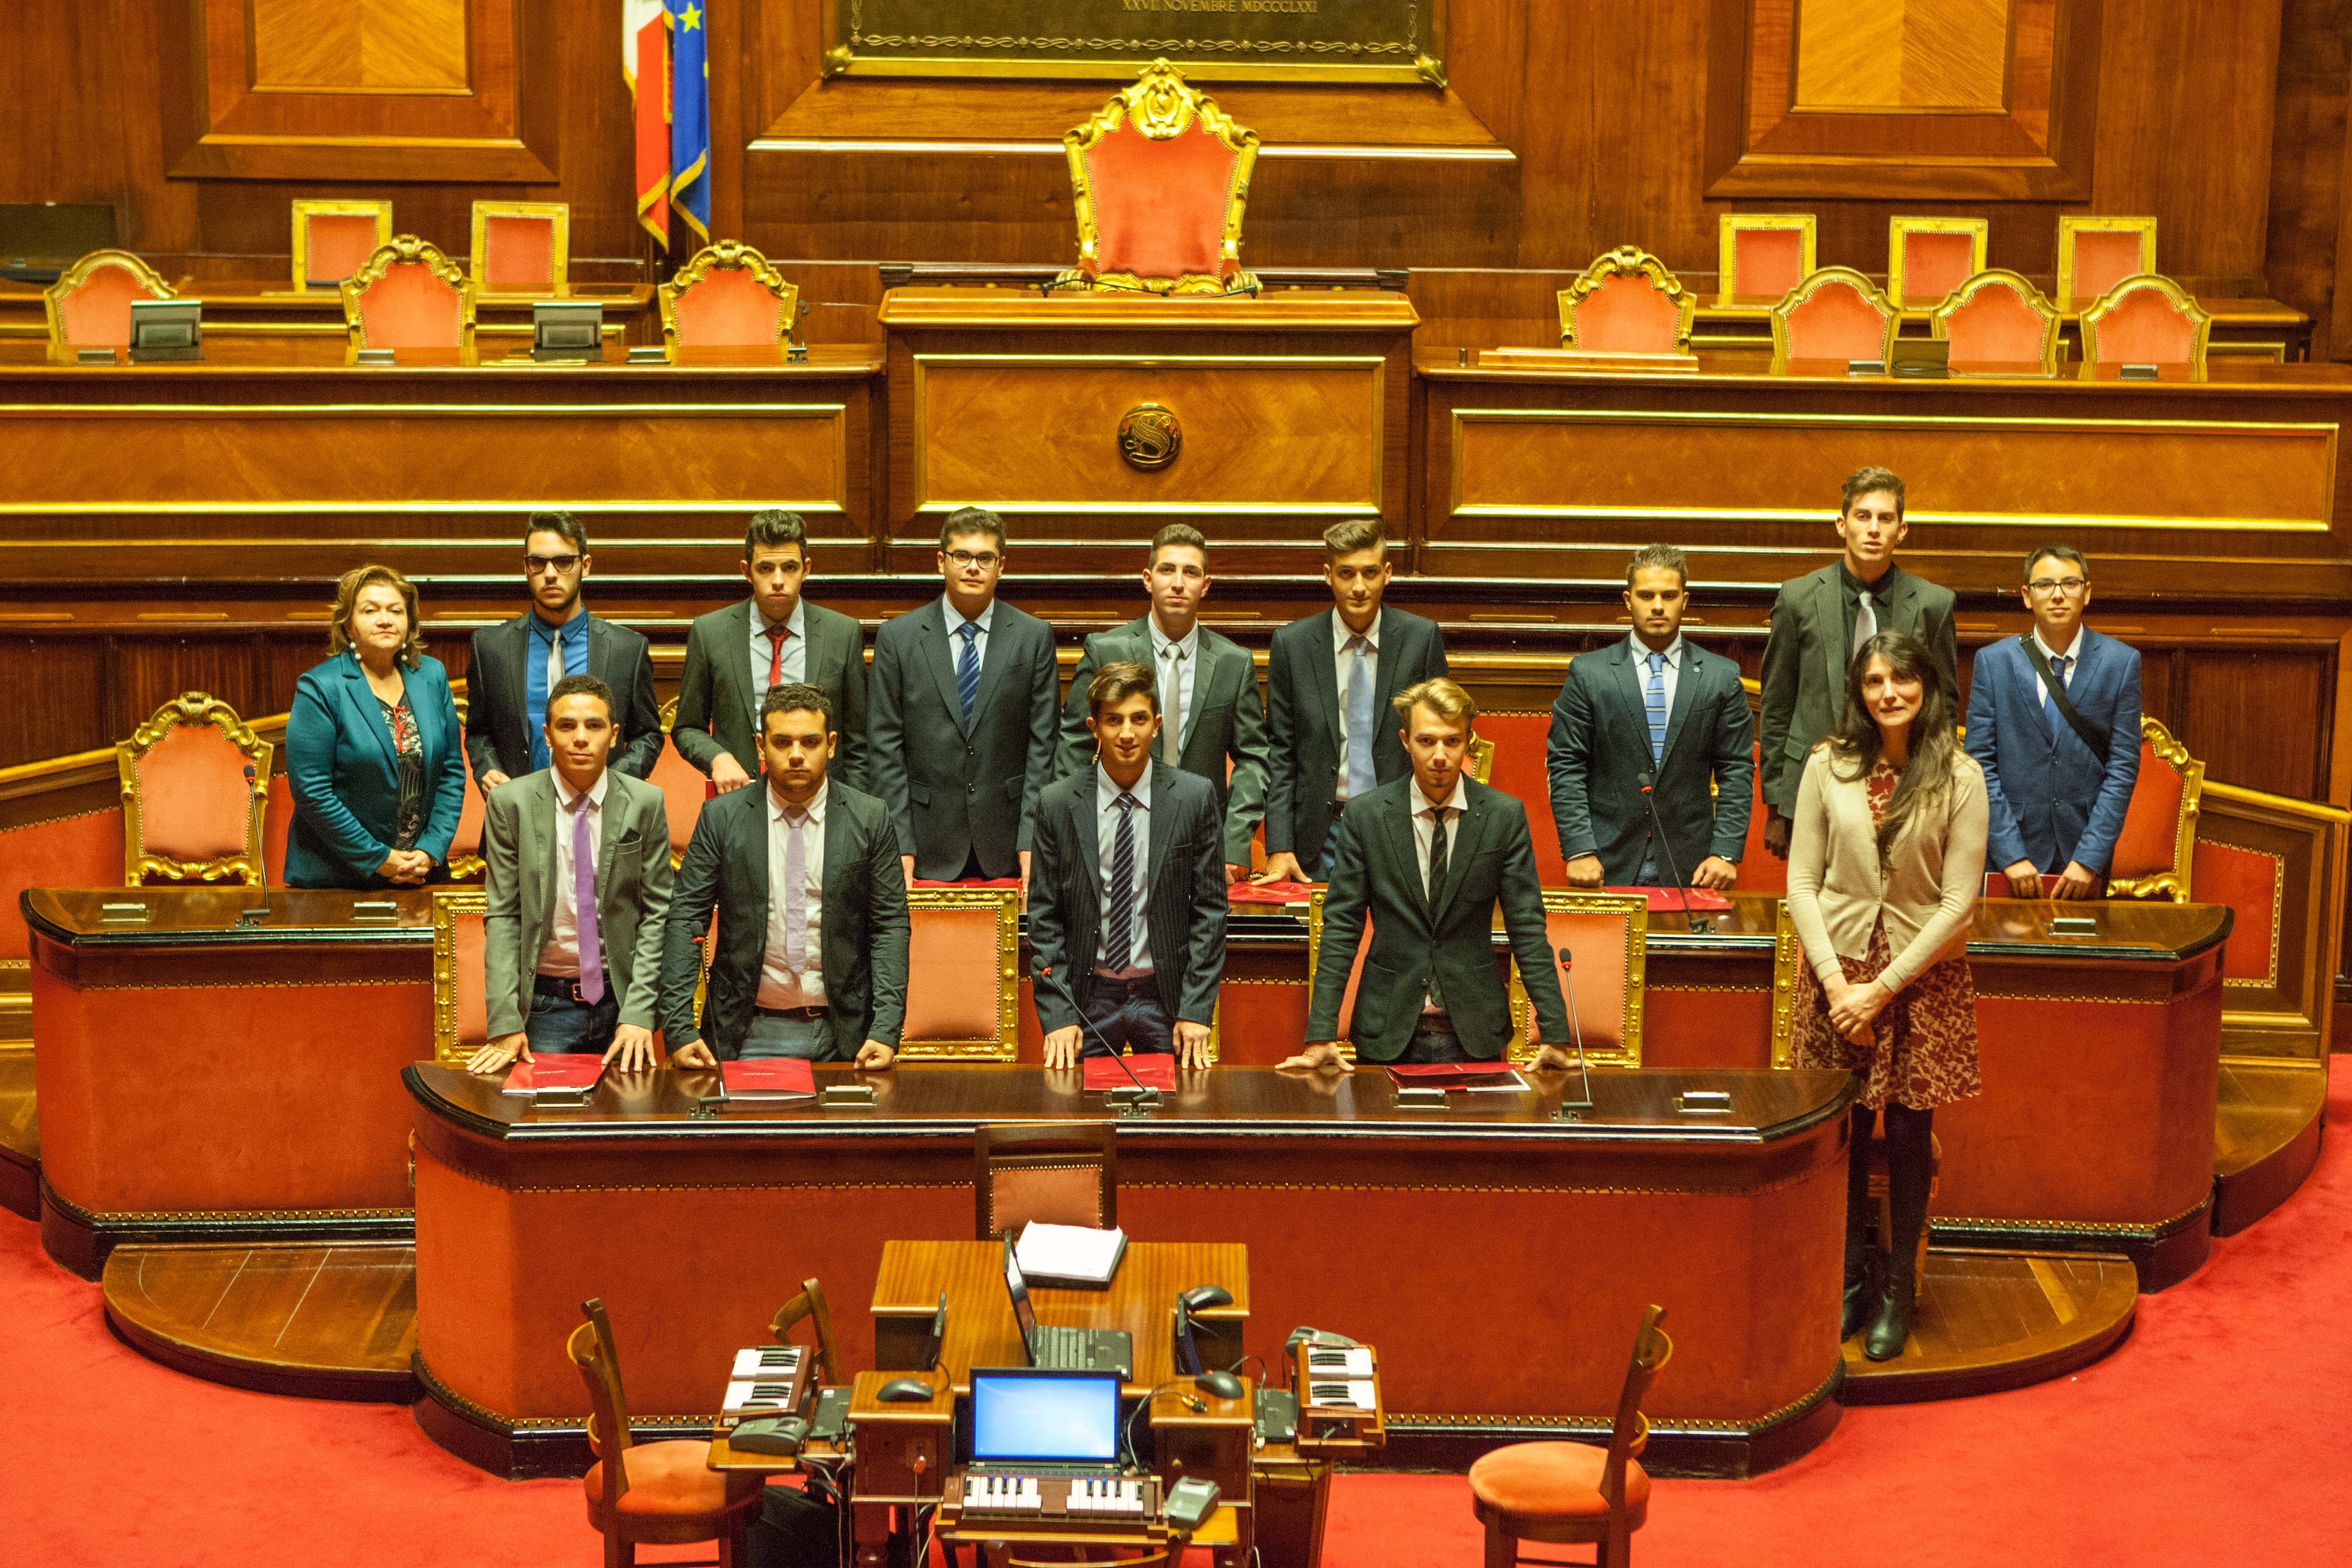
1885, 860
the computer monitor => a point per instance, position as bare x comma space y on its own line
1023, 1415
1018, 1288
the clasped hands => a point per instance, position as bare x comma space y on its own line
406, 867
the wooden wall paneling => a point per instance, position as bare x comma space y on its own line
2306, 174
154, 669
58, 687
2264, 711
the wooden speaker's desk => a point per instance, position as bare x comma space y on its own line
1498, 1258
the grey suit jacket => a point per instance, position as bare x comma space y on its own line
1304, 722
1600, 747
1184, 907
717, 705
498, 731
632, 885
864, 925
1226, 723
1493, 862
1805, 662
954, 788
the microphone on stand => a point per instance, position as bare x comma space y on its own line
1696, 923
261, 853
1576, 1033
1142, 1095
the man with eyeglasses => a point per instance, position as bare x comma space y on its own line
2053, 719
517, 663
961, 712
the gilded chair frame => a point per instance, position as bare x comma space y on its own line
407, 250
1571, 900
669, 717
305, 211
53, 297
2201, 322
1787, 955
448, 903
465, 867
560, 262
1813, 282
1629, 260
193, 708
1939, 319
2069, 226
1163, 106
1977, 229
1315, 958
1726, 231
2172, 884
730, 254
1005, 1046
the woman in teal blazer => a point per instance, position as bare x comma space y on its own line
373, 747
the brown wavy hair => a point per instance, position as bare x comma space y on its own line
347, 598
1927, 778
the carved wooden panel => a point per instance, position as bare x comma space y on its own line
358, 45
1903, 55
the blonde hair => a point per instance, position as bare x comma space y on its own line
347, 598
1441, 697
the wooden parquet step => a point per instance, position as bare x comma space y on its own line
320, 1322
2266, 1130
20, 1134
1990, 1320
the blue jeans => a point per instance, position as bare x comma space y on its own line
811, 1038
561, 1025
1127, 1012
1429, 1047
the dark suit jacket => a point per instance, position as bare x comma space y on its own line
1226, 724
633, 878
1600, 743
1184, 908
1305, 722
1493, 862
1805, 662
718, 707
956, 790
863, 926
345, 774
498, 731
2051, 800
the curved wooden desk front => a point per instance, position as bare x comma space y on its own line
1498, 1258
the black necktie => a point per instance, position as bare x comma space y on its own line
1436, 888
1118, 919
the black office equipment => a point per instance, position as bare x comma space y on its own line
782, 1435
1190, 1501
937, 1337
905, 1391
1198, 1298
567, 329
38, 240
1064, 1350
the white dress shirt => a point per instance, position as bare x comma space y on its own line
560, 957
779, 985
1137, 960
1178, 701
2071, 653
1424, 836
954, 618
762, 650
1673, 672
1342, 664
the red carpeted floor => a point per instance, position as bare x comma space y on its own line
2221, 1432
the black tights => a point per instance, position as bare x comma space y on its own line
1909, 1166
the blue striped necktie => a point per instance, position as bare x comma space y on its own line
1118, 927
967, 668
1361, 778
1655, 699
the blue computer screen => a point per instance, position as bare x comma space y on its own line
1018, 1417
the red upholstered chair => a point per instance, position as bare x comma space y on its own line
1833, 315
684, 788
1159, 177
1608, 933
466, 862
1627, 302
809, 1306
1574, 1493
1355, 972
662, 1494
728, 296
89, 306
2094, 254
1998, 318
1762, 255
333, 241
189, 810
963, 980
1927, 258
522, 247
2145, 319
1058, 1173
461, 1023
409, 296
2156, 851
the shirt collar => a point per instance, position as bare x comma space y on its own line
1458, 801
815, 807
1340, 634
567, 631
1107, 793
565, 795
797, 620
1854, 585
2070, 651
956, 617
1641, 650
1160, 642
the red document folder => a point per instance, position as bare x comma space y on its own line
547, 1071
1457, 1074
769, 1075
1996, 885
1669, 900
1156, 1070
1268, 892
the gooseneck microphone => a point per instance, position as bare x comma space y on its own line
1698, 923
1140, 1096
261, 854
1576, 1033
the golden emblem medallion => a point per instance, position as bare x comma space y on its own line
1150, 437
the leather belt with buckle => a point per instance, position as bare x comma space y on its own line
804, 1015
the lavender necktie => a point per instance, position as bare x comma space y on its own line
795, 893
583, 895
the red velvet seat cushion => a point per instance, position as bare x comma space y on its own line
673, 1490
97, 315
1627, 314
1836, 321
1159, 207
1996, 325
409, 308
1546, 1483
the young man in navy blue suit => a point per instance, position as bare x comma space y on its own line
2059, 786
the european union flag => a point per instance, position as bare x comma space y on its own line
689, 113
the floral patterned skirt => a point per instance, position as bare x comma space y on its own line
1923, 1050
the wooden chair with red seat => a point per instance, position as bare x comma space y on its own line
522, 247
1058, 1173
1834, 316
88, 307
1627, 302
1159, 177
1608, 936
1999, 318
1762, 255
408, 296
333, 241
809, 1307
963, 974
728, 298
1355, 972
2094, 254
2145, 319
1573, 1494
1927, 258
660, 1494
684, 788
196, 788
2157, 848
461, 1021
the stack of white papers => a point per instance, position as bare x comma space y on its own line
1072, 1255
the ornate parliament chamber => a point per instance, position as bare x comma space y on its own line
295, 286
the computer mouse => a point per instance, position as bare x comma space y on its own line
906, 1391
1224, 1385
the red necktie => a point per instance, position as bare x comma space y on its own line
776, 635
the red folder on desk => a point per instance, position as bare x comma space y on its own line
769, 1075
1268, 892
1458, 1075
1156, 1070
1996, 885
1669, 900
547, 1072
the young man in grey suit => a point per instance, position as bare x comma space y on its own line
734, 656
1126, 911
1428, 858
1330, 680
578, 889
812, 927
1821, 618
515, 662
962, 722
2057, 787
1652, 718
1214, 717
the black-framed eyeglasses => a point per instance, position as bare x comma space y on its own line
2048, 585
567, 565
984, 559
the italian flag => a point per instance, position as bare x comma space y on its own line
645, 60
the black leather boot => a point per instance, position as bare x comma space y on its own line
1890, 1331
1859, 1300
1910, 1170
